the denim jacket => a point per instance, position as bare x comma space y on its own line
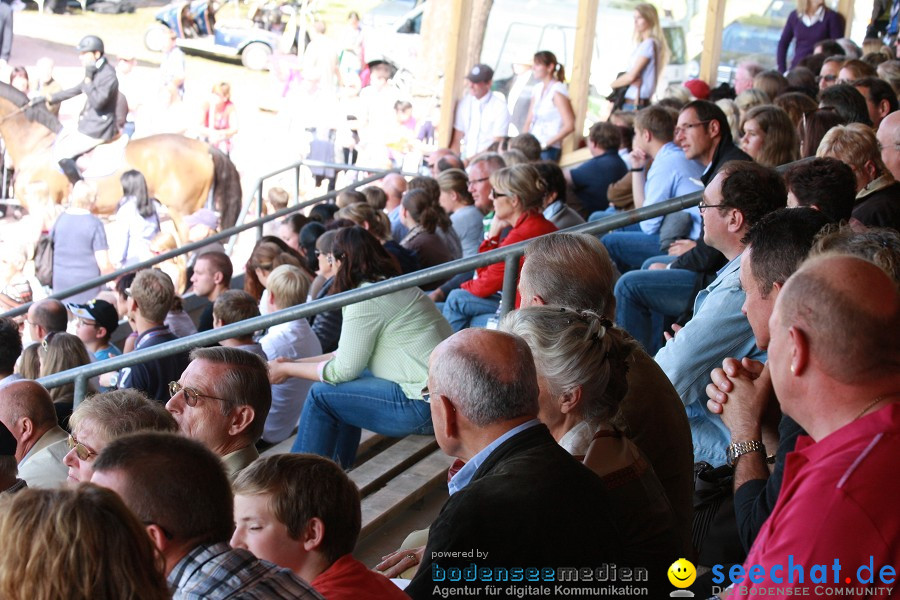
717, 331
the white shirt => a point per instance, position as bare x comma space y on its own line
546, 120
817, 16
294, 339
481, 121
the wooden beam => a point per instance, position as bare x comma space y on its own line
712, 42
579, 84
845, 7
455, 67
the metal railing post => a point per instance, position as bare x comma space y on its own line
259, 209
297, 184
510, 279
80, 390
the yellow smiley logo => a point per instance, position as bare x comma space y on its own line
682, 573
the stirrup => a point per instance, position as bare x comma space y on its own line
70, 170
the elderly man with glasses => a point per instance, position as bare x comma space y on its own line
222, 400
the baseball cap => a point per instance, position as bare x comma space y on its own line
204, 216
100, 311
480, 74
7, 442
698, 87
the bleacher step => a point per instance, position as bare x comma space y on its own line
382, 467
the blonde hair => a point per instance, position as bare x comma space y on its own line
288, 285
751, 99
651, 15
733, 114
456, 181
79, 544
522, 181
853, 144
82, 196
364, 214
154, 292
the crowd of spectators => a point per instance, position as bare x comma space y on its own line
747, 345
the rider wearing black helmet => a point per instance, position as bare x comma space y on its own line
97, 122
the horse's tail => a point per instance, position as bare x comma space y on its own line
227, 188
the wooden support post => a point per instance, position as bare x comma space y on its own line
579, 86
845, 7
712, 42
457, 42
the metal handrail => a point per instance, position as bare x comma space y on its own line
92, 283
510, 254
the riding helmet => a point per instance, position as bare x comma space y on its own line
90, 43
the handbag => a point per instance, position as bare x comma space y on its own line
43, 259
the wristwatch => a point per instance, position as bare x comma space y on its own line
738, 449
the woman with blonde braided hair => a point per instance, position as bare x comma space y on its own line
581, 361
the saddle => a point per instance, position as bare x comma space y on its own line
103, 160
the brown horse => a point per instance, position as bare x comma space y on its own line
179, 171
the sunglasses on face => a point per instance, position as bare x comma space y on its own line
81, 451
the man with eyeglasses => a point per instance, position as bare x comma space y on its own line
222, 400
27, 411
739, 196
889, 142
46, 316
97, 320
828, 74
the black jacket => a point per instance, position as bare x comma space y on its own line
725, 151
531, 504
98, 118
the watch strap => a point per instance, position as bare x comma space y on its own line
738, 449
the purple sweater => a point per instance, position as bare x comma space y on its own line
830, 27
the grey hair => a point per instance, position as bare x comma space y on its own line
493, 160
487, 392
120, 412
570, 269
245, 382
576, 348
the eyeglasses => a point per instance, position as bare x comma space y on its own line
822, 78
81, 451
703, 206
495, 195
687, 126
191, 396
477, 181
426, 394
45, 343
83, 323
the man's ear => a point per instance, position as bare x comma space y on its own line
884, 108
314, 534
26, 430
158, 536
714, 128
799, 351
450, 420
218, 277
736, 220
241, 418
537, 301
217, 322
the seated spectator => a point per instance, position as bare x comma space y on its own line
97, 321
201, 225
801, 80
777, 245
554, 203
234, 306
46, 316
518, 194
671, 173
9, 482
212, 277
848, 102
376, 197
374, 378
769, 136
178, 320
394, 186
348, 197
375, 223
878, 245
877, 193
831, 66
528, 144
513, 157
796, 105
841, 388
60, 352
308, 237
881, 99
446, 232
751, 99
853, 70
826, 184
888, 137
813, 128
150, 297
79, 544
423, 218
27, 411
889, 71
744, 73
326, 325
739, 196
324, 213
222, 400
484, 403
458, 202
136, 222
180, 491
10, 350
574, 271
266, 257
102, 418
582, 364
29, 366
293, 494
289, 230
772, 83
294, 340
591, 179
277, 198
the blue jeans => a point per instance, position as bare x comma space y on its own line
333, 416
644, 298
551, 154
464, 309
629, 249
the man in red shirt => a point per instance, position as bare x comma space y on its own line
834, 359
302, 512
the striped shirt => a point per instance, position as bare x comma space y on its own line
217, 572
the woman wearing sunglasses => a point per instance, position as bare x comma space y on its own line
103, 418
373, 380
518, 196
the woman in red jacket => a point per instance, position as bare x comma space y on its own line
518, 193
